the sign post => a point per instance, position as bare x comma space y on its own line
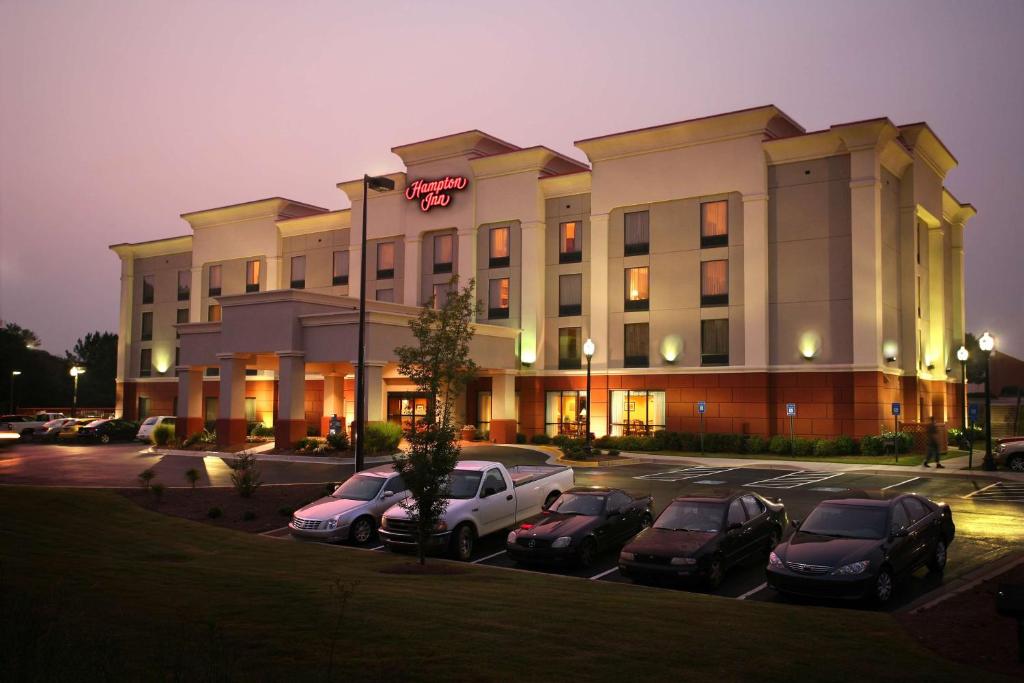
701, 406
791, 413
896, 434
973, 413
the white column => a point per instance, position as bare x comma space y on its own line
190, 400
532, 304
597, 312
375, 394
503, 396
466, 267
413, 260
231, 427
866, 238
755, 281
354, 254
124, 334
195, 303
937, 351
291, 385
334, 399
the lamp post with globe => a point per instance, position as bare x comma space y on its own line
987, 343
589, 348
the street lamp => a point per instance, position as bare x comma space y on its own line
962, 355
588, 350
75, 372
14, 373
377, 184
987, 343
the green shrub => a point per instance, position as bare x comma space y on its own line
688, 442
313, 430
162, 435
872, 445
756, 444
248, 515
145, 477
339, 441
261, 431
520, 438
307, 444
382, 437
803, 446
245, 475
540, 439
214, 512
845, 445
613, 451
206, 436
779, 444
824, 447
158, 490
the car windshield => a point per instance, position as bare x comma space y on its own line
463, 484
846, 521
574, 504
150, 421
359, 487
685, 515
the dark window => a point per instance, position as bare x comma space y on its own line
443, 250
637, 233
385, 295
340, 268
147, 289
900, 517
440, 295
570, 242
618, 502
916, 508
182, 316
736, 514
147, 326
570, 294
714, 342
714, 283
252, 276
637, 345
714, 224
146, 363
493, 480
212, 372
385, 261
569, 348
498, 247
298, 278
754, 507
637, 283
497, 299
395, 485
184, 285
215, 280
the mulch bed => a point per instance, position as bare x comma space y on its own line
272, 504
967, 629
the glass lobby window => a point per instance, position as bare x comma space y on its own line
637, 289
714, 224
298, 278
340, 270
498, 247
483, 411
252, 276
147, 326
213, 313
497, 298
714, 283
714, 342
637, 233
637, 412
570, 242
184, 285
145, 362
443, 248
215, 281
385, 295
637, 345
565, 412
570, 294
385, 260
147, 289
570, 348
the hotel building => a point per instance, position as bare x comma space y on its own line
735, 260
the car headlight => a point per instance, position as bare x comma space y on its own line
383, 522
627, 556
440, 527
682, 560
562, 542
852, 568
774, 561
511, 537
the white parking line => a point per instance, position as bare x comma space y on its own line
892, 486
380, 547
752, 591
501, 552
795, 479
273, 531
974, 493
595, 577
685, 473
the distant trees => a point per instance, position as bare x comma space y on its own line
97, 352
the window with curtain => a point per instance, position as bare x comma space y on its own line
340, 271
147, 326
637, 412
210, 409
570, 350
184, 285
385, 295
483, 411
497, 298
385, 260
714, 224
570, 294
215, 278
570, 242
637, 232
637, 345
213, 313
148, 288
145, 362
637, 289
565, 413
252, 276
714, 342
443, 250
440, 295
498, 250
298, 279
180, 318
714, 283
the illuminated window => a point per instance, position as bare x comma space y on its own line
714, 283
637, 412
637, 345
184, 285
250, 409
385, 260
565, 412
714, 342
147, 326
147, 289
443, 249
498, 247
440, 295
298, 279
252, 276
213, 313
340, 276
145, 362
570, 294
483, 411
637, 289
569, 348
918, 296
714, 224
637, 233
215, 277
385, 295
570, 242
497, 299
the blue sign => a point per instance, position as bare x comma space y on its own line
895, 408
700, 407
791, 410
972, 410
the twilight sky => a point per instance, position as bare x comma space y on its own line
116, 117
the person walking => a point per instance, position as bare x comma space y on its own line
933, 444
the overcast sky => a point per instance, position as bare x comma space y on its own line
116, 117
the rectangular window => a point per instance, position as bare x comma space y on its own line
145, 362
210, 410
439, 296
483, 411
569, 348
714, 342
443, 251
637, 233
215, 276
213, 313
714, 283
498, 248
497, 299
143, 407
298, 279
385, 295
638, 289
250, 409
147, 289
340, 276
385, 260
636, 344
252, 276
918, 296
637, 412
570, 294
180, 318
714, 224
565, 412
570, 242
184, 285
147, 326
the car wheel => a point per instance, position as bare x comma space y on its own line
462, 543
104, 438
884, 587
588, 549
550, 500
1016, 463
715, 573
937, 563
27, 435
646, 521
361, 531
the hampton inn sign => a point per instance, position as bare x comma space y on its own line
431, 193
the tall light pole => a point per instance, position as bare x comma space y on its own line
987, 343
14, 374
962, 355
75, 372
377, 184
588, 350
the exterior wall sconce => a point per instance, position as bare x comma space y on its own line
671, 348
930, 366
889, 351
528, 358
810, 344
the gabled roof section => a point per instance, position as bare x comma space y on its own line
544, 161
921, 138
162, 247
272, 207
470, 143
317, 222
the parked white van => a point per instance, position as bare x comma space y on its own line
146, 428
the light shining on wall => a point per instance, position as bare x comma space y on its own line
161, 361
810, 345
889, 349
671, 348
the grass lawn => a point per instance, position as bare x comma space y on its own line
905, 459
92, 586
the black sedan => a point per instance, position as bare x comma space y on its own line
702, 537
106, 431
579, 525
858, 548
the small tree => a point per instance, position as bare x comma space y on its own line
439, 365
245, 475
192, 476
145, 477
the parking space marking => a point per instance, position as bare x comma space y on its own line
892, 486
752, 591
488, 557
380, 547
595, 577
795, 479
982, 490
274, 532
685, 473
1000, 492
710, 482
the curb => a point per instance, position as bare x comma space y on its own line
269, 457
964, 583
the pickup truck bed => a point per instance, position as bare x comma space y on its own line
524, 474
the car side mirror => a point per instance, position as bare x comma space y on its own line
795, 523
489, 491
387, 494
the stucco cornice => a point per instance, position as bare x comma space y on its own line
920, 138
320, 222
566, 184
273, 207
467, 143
954, 212
539, 160
354, 188
163, 247
279, 295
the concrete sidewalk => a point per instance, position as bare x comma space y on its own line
270, 457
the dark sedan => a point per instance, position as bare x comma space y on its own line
579, 525
701, 538
859, 548
106, 431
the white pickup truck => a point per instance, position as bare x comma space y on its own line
26, 424
484, 497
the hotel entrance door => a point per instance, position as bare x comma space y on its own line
406, 406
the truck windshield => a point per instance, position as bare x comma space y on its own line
359, 487
572, 504
684, 515
463, 484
